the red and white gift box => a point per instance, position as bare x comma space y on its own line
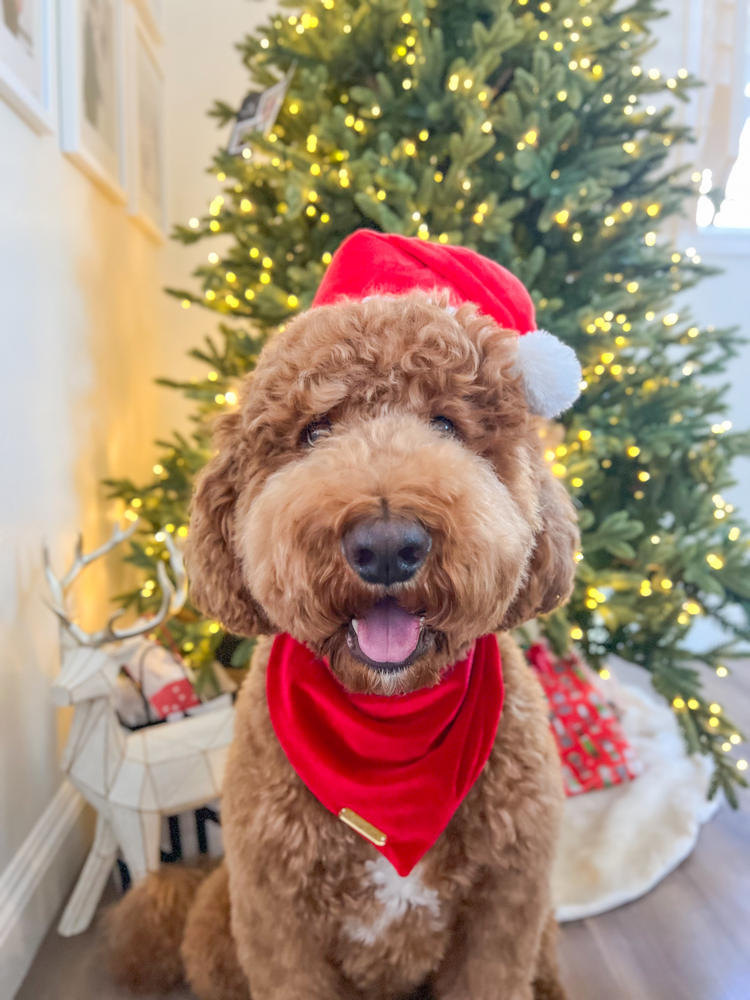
594, 751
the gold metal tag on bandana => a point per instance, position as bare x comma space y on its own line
363, 828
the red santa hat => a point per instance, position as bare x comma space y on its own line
368, 264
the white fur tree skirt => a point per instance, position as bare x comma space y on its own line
618, 843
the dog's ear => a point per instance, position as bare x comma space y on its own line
552, 568
216, 584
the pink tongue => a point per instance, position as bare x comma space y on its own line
387, 633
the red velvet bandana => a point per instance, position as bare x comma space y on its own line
394, 768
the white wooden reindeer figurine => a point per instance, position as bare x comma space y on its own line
131, 778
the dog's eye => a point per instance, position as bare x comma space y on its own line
444, 425
315, 430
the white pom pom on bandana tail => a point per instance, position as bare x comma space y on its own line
369, 264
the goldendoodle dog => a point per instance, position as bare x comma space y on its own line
379, 502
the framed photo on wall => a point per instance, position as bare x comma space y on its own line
92, 90
146, 188
27, 60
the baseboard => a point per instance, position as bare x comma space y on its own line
35, 883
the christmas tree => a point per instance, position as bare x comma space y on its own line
532, 133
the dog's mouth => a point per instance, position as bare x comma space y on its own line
387, 637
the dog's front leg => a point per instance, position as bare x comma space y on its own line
280, 953
496, 944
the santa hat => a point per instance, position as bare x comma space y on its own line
369, 264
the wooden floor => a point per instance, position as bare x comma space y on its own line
689, 939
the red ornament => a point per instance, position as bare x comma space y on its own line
593, 748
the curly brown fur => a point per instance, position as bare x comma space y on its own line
143, 931
265, 554
546, 979
208, 951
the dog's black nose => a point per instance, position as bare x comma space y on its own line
386, 550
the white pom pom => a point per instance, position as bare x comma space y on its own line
550, 371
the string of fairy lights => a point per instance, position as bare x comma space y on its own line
457, 82
330, 173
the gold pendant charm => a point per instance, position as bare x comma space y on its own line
363, 828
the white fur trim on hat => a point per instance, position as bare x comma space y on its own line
550, 371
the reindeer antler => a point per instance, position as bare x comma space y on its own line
173, 596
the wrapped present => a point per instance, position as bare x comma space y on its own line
161, 680
593, 748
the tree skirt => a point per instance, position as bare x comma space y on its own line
618, 843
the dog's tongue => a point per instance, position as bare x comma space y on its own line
387, 633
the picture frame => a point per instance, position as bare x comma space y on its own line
152, 16
146, 124
92, 93
27, 69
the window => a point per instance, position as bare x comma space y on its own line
730, 103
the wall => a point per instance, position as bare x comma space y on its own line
201, 66
77, 302
85, 328
719, 300
702, 36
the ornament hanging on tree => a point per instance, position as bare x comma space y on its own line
258, 112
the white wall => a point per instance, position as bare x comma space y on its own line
705, 37
721, 301
85, 328
78, 302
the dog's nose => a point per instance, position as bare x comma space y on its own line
386, 550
